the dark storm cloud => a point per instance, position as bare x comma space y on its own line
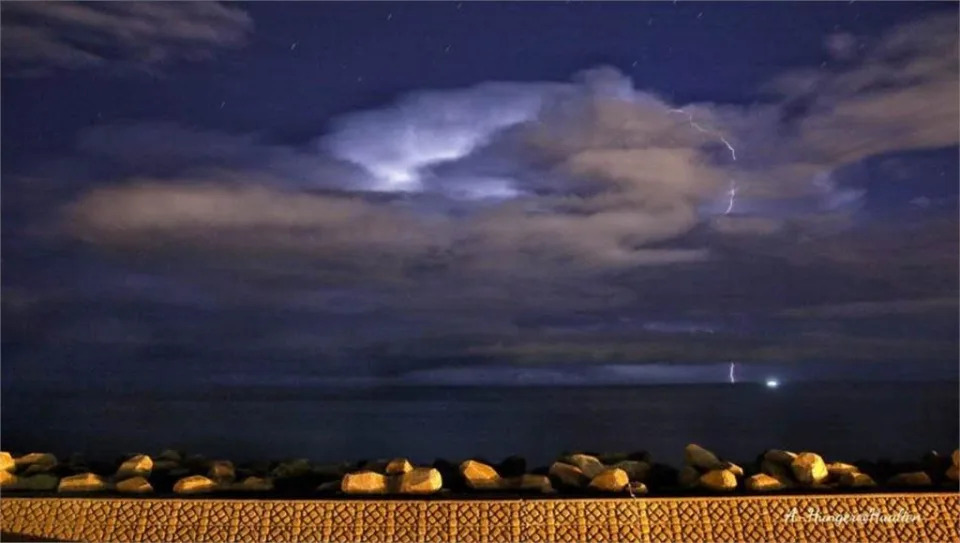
39, 37
470, 225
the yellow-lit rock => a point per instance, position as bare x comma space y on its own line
733, 468
856, 479
637, 488
719, 480
913, 478
568, 474
589, 465
420, 481
257, 484
6, 462
222, 471
135, 485
809, 468
364, 482
697, 456
398, 466
194, 484
7, 479
138, 466
762, 482
479, 475
36, 458
610, 480
952, 473
528, 482
836, 469
84, 482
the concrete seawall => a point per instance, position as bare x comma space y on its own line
861, 517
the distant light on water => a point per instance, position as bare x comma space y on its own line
772, 383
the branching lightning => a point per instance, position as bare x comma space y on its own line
732, 192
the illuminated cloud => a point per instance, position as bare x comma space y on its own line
589, 175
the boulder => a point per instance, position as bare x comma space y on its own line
779, 456
836, 469
7, 479
688, 477
762, 482
364, 482
568, 474
256, 484
809, 468
85, 482
194, 484
610, 480
636, 470
479, 475
953, 473
637, 488
6, 462
170, 455
955, 457
701, 458
138, 466
398, 466
420, 481
291, 468
222, 471
609, 459
527, 481
134, 485
722, 480
856, 479
47, 460
913, 478
776, 470
589, 465
733, 468
40, 468
42, 481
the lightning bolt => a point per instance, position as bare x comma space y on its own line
732, 193
699, 128
733, 378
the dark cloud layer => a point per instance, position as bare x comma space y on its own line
581, 221
41, 37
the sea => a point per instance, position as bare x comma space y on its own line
842, 421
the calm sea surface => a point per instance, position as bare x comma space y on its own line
843, 421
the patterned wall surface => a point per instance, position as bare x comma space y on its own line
909, 517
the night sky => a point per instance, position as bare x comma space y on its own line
496, 193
